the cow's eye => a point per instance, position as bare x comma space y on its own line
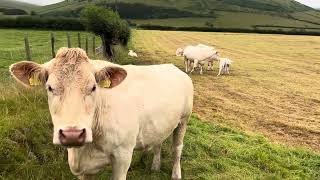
94, 88
50, 89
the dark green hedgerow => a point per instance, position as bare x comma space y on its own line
292, 31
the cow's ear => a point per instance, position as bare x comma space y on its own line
110, 77
29, 73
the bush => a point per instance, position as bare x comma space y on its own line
33, 13
124, 34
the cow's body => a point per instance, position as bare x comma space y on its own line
199, 55
103, 111
140, 113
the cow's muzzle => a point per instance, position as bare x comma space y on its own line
72, 137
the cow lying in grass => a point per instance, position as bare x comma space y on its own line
132, 53
102, 111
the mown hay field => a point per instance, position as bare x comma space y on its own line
239, 121
273, 88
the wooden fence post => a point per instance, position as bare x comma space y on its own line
94, 46
52, 45
87, 45
79, 40
27, 48
69, 40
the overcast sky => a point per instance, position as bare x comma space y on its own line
312, 3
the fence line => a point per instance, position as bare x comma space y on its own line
69, 40
27, 46
40, 51
52, 46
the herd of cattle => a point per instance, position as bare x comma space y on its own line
199, 55
196, 56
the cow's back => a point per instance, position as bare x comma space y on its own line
151, 101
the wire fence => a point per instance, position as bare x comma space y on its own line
44, 49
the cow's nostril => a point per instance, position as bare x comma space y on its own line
83, 133
61, 133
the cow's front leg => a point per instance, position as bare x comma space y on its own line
220, 69
156, 163
87, 177
121, 160
195, 64
186, 62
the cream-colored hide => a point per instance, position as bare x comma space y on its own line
102, 111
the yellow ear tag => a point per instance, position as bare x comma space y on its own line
105, 83
34, 81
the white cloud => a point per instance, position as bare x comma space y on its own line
41, 2
311, 3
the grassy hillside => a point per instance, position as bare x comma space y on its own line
220, 13
258, 96
227, 20
12, 4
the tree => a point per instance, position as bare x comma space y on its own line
124, 33
33, 13
209, 24
108, 25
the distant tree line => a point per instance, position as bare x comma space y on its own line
6, 11
42, 23
293, 31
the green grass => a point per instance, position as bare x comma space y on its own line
211, 151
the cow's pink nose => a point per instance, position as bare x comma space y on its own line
72, 137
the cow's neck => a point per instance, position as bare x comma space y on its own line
97, 126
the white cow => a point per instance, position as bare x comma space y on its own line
102, 111
199, 55
206, 46
179, 51
132, 53
224, 65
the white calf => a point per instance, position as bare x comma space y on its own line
224, 65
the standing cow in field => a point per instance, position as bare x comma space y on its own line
102, 111
199, 55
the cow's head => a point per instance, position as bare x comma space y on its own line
73, 85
